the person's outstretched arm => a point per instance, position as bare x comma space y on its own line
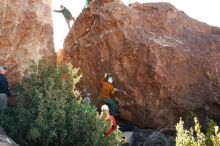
58, 11
102, 80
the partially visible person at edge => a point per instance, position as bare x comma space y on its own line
4, 88
87, 3
109, 119
67, 15
107, 93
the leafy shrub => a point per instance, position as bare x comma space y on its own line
216, 137
48, 113
194, 136
210, 132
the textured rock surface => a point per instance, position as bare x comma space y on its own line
5, 140
25, 34
167, 62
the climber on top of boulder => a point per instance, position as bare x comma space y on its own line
107, 92
67, 15
87, 3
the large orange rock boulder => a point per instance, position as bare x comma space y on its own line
167, 64
26, 34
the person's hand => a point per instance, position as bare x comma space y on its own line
106, 74
115, 89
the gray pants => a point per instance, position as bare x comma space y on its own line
3, 101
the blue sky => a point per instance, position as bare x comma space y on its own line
207, 11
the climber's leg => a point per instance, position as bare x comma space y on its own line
68, 23
72, 18
112, 106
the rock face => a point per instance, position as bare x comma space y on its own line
5, 140
167, 63
26, 34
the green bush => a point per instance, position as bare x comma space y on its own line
216, 137
210, 132
48, 113
194, 136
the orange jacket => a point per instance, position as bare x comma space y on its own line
107, 89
